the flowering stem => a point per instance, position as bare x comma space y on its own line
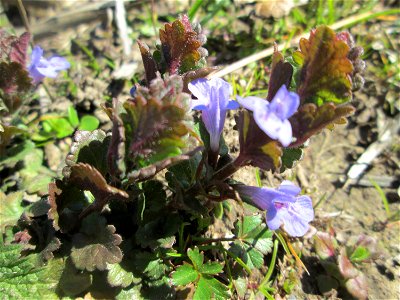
213, 158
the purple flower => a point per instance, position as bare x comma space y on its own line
213, 100
284, 206
41, 67
272, 117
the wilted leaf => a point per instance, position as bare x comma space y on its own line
325, 69
11, 209
96, 245
256, 148
181, 46
325, 245
184, 275
87, 178
311, 119
157, 122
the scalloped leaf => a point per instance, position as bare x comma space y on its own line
89, 147
96, 245
87, 178
256, 148
181, 46
13, 48
290, 157
118, 276
157, 121
74, 281
325, 74
311, 119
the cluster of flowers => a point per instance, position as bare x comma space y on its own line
284, 206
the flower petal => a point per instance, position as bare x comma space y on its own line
59, 63
253, 103
232, 104
285, 133
289, 188
285, 103
36, 54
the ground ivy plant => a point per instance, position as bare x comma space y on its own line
150, 209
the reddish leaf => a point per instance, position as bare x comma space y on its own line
181, 46
86, 177
14, 78
325, 74
256, 148
310, 120
281, 74
150, 66
19, 49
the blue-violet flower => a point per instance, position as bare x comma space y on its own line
284, 206
41, 67
272, 117
213, 101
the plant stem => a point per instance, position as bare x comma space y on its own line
271, 264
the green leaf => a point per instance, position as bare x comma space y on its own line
16, 154
360, 253
89, 123
209, 287
253, 258
196, 257
149, 264
21, 279
118, 276
73, 116
96, 245
60, 126
74, 281
211, 268
256, 234
290, 156
184, 275
130, 293
11, 209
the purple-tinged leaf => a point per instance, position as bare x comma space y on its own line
19, 48
96, 245
256, 148
325, 245
14, 78
150, 65
325, 74
311, 119
281, 74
